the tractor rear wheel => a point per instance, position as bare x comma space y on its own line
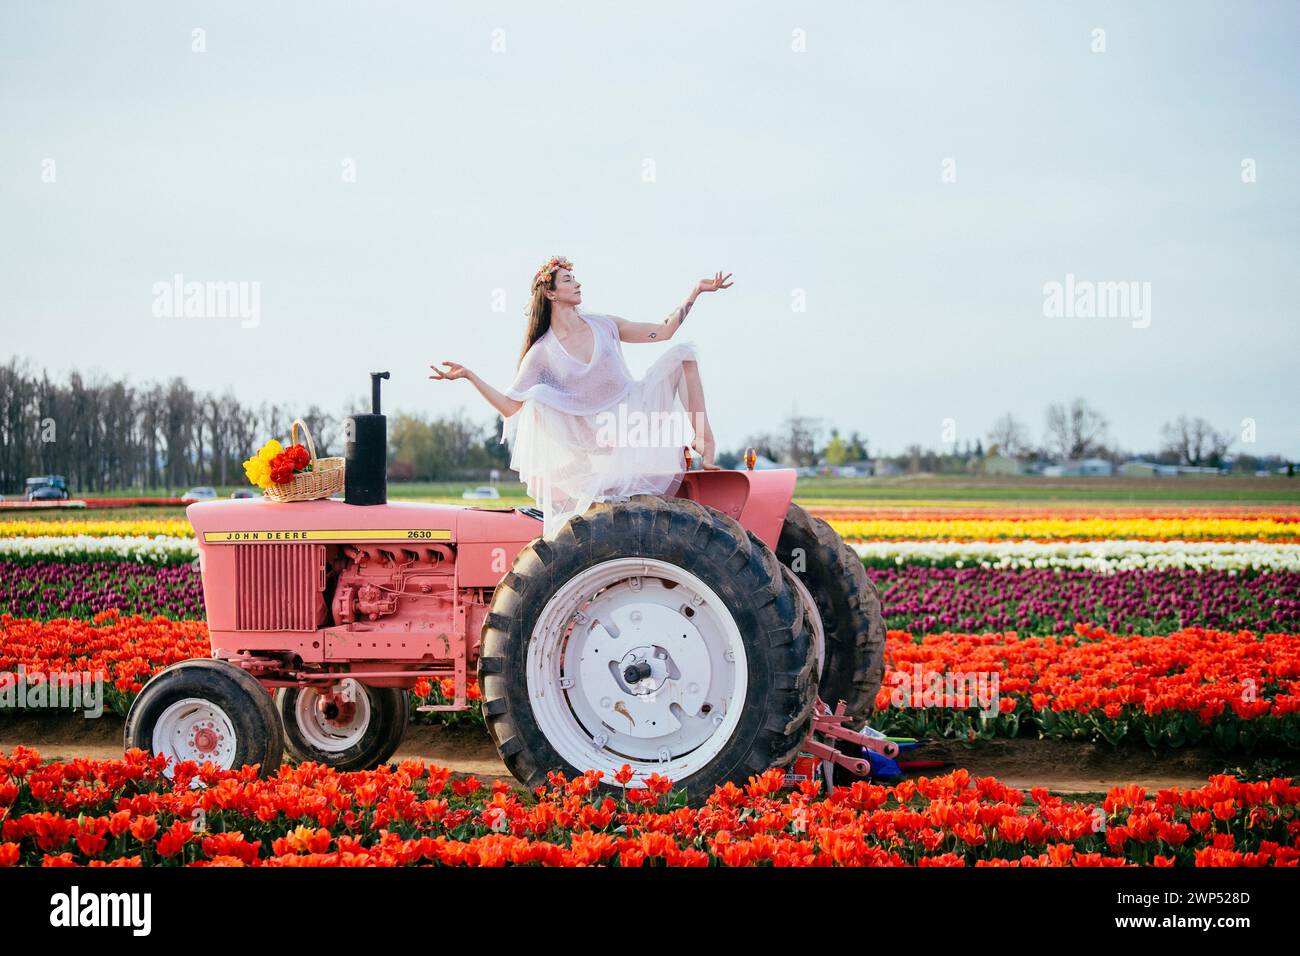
850, 625
651, 632
357, 729
207, 711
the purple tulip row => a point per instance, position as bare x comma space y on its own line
1050, 601
81, 589
917, 599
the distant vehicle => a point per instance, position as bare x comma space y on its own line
245, 493
47, 493
203, 493
483, 491
46, 488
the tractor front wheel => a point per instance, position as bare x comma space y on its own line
207, 711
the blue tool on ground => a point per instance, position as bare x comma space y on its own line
885, 768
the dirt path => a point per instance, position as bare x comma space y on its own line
465, 748
1060, 766
1069, 767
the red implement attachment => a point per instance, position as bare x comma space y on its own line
831, 725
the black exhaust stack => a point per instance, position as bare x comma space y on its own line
365, 453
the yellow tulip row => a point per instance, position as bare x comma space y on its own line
1168, 528
1172, 528
97, 528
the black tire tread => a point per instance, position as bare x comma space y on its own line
851, 612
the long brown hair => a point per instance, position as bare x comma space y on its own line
538, 315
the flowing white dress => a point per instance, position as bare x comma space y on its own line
591, 432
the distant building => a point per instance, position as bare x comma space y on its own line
853, 469
1137, 468
1001, 465
1084, 467
1145, 469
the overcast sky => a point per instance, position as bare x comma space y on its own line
390, 175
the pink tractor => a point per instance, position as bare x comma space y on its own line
687, 635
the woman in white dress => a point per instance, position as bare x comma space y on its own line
580, 427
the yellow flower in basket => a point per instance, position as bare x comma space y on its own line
258, 468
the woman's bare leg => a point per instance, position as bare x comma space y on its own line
699, 417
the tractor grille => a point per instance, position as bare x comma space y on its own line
279, 586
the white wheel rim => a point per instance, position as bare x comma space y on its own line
195, 729
654, 616
332, 735
815, 616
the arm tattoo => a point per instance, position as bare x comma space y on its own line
680, 314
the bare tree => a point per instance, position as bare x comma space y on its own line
241, 435
326, 430
118, 453
799, 440
19, 407
915, 455
1076, 431
1009, 436
178, 427
1195, 441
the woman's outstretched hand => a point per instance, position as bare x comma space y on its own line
453, 371
504, 404
719, 281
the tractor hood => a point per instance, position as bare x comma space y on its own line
757, 499
333, 521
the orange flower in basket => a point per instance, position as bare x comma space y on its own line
298, 456
281, 469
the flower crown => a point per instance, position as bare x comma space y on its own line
545, 272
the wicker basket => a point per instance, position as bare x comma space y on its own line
324, 479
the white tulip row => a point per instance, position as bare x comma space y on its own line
82, 547
1103, 556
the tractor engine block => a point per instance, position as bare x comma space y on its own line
396, 585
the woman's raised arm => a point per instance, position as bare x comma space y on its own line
504, 404
659, 331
